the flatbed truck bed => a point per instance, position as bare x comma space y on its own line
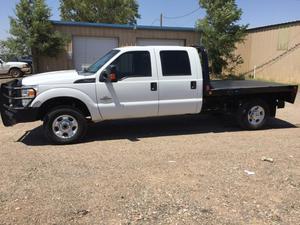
251, 87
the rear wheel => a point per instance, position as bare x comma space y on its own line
64, 125
15, 73
253, 115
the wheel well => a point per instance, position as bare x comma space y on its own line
14, 68
63, 101
232, 103
269, 100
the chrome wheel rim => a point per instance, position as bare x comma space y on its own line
256, 115
65, 126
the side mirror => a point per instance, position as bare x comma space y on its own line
109, 74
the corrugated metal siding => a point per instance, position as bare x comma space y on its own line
274, 48
127, 37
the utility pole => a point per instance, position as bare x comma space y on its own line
161, 20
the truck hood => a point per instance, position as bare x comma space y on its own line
57, 77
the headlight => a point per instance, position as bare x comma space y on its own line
28, 93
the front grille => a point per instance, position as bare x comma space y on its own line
11, 94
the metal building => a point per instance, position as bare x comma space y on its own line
272, 53
89, 41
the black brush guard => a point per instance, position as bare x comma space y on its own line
12, 109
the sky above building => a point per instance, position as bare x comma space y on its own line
255, 12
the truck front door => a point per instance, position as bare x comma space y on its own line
135, 94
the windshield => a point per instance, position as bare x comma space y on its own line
100, 62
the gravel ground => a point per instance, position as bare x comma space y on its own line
4, 78
176, 170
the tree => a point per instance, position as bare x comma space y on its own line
32, 32
5, 53
220, 33
100, 11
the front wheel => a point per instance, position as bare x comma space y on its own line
15, 73
64, 125
253, 115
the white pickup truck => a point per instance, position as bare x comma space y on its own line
14, 69
134, 82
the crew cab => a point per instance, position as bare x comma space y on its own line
135, 82
14, 69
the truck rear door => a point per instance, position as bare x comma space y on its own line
180, 81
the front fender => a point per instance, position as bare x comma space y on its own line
72, 93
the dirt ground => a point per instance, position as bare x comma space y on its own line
177, 170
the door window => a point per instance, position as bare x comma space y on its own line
175, 63
133, 64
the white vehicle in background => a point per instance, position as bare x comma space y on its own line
14, 69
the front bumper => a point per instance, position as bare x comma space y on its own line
12, 110
26, 70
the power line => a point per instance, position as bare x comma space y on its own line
173, 17
154, 21
178, 17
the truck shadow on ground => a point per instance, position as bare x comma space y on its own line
134, 129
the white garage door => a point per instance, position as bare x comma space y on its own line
86, 50
171, 42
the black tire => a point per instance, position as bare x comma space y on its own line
64, 112
253, 115
15, 73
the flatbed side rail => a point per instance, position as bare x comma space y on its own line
288, 92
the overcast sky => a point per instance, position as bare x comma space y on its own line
256, 12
